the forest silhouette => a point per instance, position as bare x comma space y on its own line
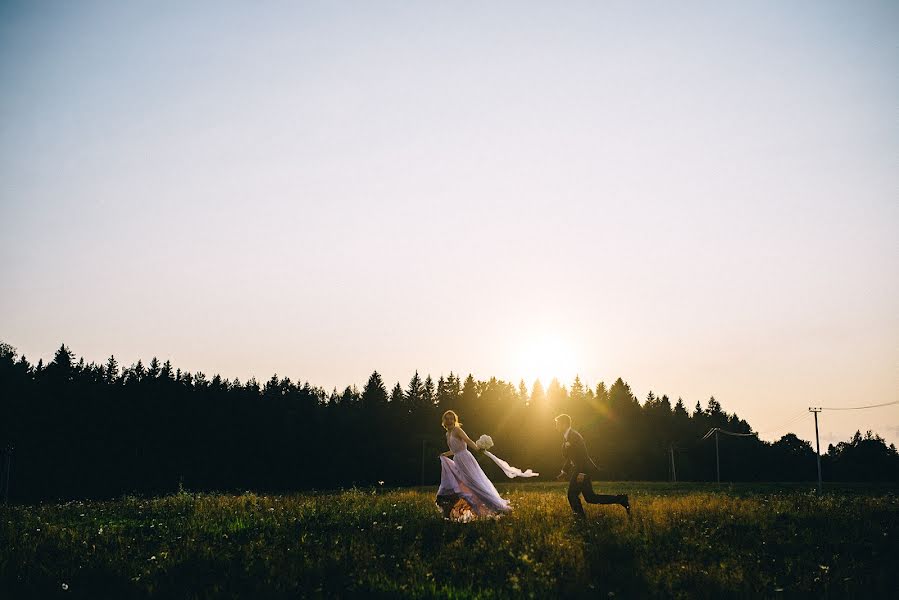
77, 430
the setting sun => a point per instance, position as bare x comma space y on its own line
546, 357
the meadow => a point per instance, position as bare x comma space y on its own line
681, 540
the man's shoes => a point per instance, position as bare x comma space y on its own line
625, 502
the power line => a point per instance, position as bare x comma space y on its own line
737, 434
815, 411
798, 417
714, 430
802, 414
858, 407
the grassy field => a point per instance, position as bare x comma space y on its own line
683, 540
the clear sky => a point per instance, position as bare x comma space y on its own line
700, 198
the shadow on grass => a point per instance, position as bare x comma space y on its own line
612, 567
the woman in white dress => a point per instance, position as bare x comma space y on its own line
465, 491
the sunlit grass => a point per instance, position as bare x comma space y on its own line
680, 541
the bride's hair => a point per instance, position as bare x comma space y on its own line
455, 418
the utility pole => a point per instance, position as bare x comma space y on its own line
817, 445
5, 469
423, 443
715, 430
673, 469
717, 457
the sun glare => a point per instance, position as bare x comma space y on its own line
544, 358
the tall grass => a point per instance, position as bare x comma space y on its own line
680, 541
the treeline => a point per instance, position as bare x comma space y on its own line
89, 430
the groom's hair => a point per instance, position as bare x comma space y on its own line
564, 419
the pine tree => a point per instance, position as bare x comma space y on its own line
441, 391
429, 399
61, 369
620, 395
350, 396
153, 370
272, 387
374, 394
396, 395
665, 403
166, 372
523, 397
137, 372
468, 401
112, 370
577, 391
557, 396
538, 396
217, 384
602, 396
200, 380
415, 392
63, 358
453, 388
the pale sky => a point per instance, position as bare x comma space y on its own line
700, 198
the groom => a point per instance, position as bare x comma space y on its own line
577, 469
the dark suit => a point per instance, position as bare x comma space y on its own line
577, 462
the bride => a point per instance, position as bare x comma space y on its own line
465, 491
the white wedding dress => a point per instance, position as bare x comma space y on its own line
462, 477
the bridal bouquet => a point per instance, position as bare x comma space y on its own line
485, 442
